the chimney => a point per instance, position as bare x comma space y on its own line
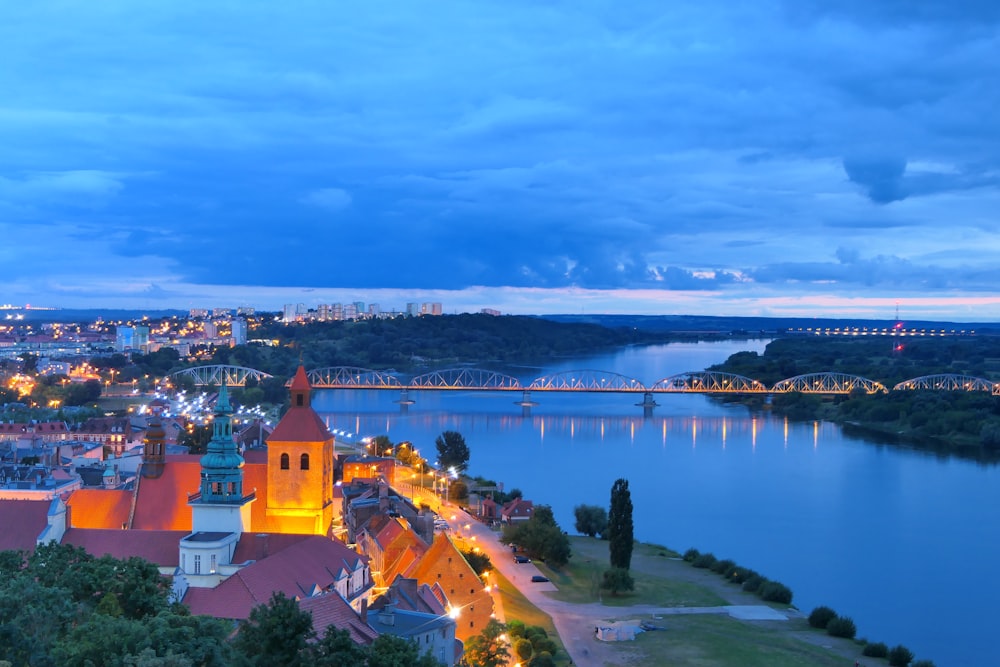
263, 546
388, 614
364, 610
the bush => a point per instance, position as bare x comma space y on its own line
691, 554
875, 650
820, 616
722, 566
900, 656
841, 626
753, 583
704, 560
772, 591
739, 575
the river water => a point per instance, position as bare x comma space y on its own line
899, 540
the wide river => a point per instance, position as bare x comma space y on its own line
899, 540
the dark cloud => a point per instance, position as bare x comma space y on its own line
881, 177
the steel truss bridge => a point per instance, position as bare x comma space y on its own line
697, 382
231, 376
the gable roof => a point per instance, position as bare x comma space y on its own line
161, 502
297, 571
22, 521
331, 609
99, 508
157, 546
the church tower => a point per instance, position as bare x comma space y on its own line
221, 506
300, 466
154, 448
220, 513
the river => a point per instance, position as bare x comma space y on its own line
899, 540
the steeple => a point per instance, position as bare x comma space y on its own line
222, 466
153, 446
300, 388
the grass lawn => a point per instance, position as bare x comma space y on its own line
580, 580
710, 640
516, 606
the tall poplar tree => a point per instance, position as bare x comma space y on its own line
620, 525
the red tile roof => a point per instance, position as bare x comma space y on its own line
21, 522
331, 609
300, 424
99, 508
296, 570
157, 546
301, 381
161, 502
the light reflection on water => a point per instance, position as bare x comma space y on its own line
896, 539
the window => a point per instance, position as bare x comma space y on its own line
304, 462
299, 400
284, 461
197, 564
212, 566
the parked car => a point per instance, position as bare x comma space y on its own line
539, 578
518, 558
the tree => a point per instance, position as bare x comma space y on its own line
478, 560
382, 445
591, 519
620, 525
617, 580
487, 649
452, 451
277, 633
392, 651
540, 536
336, 648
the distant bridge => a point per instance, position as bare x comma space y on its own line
695, 382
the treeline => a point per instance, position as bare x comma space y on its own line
962, 422
412, 344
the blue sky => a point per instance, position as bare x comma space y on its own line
806, 157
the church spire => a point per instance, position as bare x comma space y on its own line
222, 466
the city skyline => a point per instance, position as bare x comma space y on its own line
790, 158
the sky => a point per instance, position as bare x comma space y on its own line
769, 158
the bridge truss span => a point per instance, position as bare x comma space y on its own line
466, 378
587, 380
350, 377
231, 376
828, 383
709, 382
949, 382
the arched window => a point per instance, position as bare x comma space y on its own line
284, 461
304, 462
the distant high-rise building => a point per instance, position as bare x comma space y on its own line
222, 312
211, 330
350, 311
239, 331
323, 312
131, 338
430, 308
197, 312
374, 310
338, 311
288, 314
412, 309
359, 308
490, 311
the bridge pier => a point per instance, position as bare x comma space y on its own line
404, 401
526, 403
647, 404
